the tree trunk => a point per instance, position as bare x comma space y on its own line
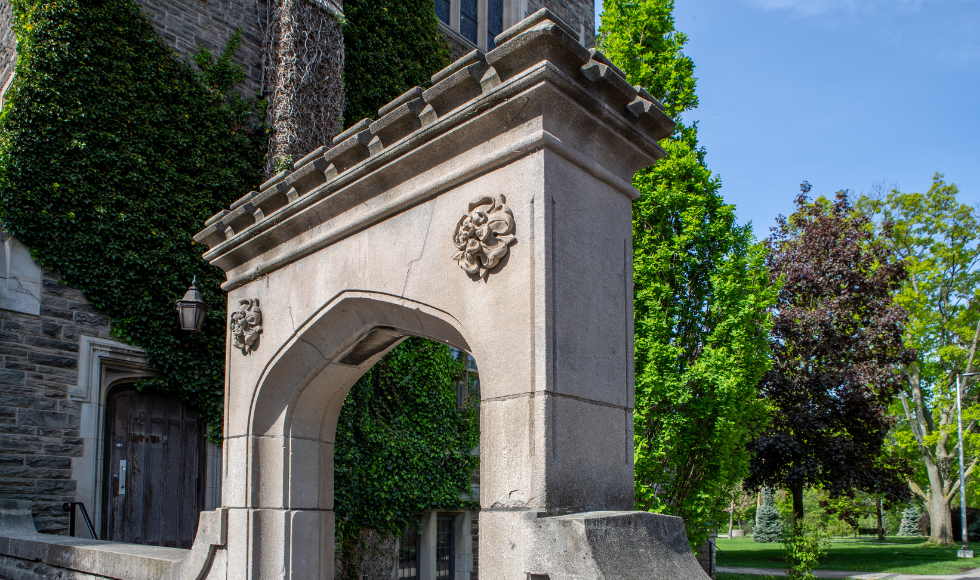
368, 555
731, 520
797, 490
940, 517
379, 555
881, 528
940, 522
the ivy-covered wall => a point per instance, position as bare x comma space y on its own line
113, 151
391, 46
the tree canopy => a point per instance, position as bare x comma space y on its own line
836, 343
939, 239
701, 295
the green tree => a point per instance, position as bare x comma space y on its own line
837, 340
701, 295
939, 240
910, 519
403, 447
113, 152
768, 523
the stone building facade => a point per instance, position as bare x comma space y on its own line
186, 24
58, 362
40, 436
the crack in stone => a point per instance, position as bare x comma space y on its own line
425, 242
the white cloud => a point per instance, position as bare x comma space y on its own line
840, 7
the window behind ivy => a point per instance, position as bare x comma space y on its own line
468, 386
408, 552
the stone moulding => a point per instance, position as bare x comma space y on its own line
329, 193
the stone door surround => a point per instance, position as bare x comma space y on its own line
491, 212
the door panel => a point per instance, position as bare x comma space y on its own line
157, 497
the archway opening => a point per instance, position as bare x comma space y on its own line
406, 473
290, 436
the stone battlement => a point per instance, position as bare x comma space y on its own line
540, 49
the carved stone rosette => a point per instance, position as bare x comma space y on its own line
246, 325
484, 235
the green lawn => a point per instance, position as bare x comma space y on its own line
895, 554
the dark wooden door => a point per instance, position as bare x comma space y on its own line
154, 469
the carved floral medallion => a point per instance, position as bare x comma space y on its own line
484, 235
246, 325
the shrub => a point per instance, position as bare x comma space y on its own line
972, 516
768, 524
973, 531
803, 545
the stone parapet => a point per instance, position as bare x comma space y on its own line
324, 197
26, 554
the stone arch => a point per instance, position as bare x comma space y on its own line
491, 212
293, 416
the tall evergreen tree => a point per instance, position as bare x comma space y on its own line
701, 294
910, 521
768, 524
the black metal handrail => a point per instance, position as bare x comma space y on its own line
70, 508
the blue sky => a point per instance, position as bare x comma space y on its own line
842, 93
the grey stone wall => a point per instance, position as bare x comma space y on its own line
184, 24
8, 43
39, 424
578, 13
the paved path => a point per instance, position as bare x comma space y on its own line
970, 575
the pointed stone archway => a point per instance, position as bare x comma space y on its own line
491, 212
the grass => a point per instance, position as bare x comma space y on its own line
895, 554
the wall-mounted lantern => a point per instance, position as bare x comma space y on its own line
191, 309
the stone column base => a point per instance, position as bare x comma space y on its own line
611, 546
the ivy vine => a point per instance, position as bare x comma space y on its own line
390, 46
113, 153
403, 446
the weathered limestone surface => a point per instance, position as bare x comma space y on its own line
26, 554
535, 144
